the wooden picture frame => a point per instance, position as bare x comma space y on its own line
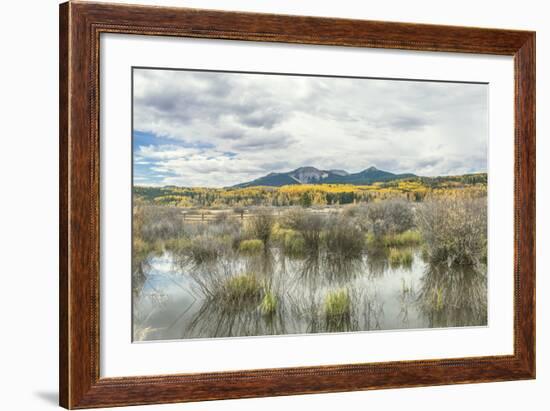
80, 27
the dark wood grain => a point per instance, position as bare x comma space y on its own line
80, 27
63, 205
525, 203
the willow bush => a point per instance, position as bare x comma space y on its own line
454, 229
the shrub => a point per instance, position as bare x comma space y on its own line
454, 229
222, 217
154, 223
145, 242
203, 248
355, 211
260, 225
389, 217
222, 227
343, 238
308, 224
251, 246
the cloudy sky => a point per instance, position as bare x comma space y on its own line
218, 129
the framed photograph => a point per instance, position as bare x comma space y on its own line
258, 205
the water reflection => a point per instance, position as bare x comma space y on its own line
176, 299
453, 296
377, 261
324, 269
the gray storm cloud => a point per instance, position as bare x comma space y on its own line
218, 129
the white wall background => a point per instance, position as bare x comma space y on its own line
29, 190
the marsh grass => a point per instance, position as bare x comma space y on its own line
269, 304
406, 238
337, 303
176, 245
278, 233
371, 240
425, 253
241, 290
289, 241
400, 257
206, 248
407, 259
337, 310
253, 246
205, 242
142, 249
294, 244
394, 257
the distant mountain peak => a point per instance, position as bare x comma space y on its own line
313, 175
306, 168
308, 175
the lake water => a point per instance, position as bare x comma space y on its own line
170, 301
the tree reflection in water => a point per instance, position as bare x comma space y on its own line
300, 287
224, 298
454, 296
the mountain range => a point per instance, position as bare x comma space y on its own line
312, 175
